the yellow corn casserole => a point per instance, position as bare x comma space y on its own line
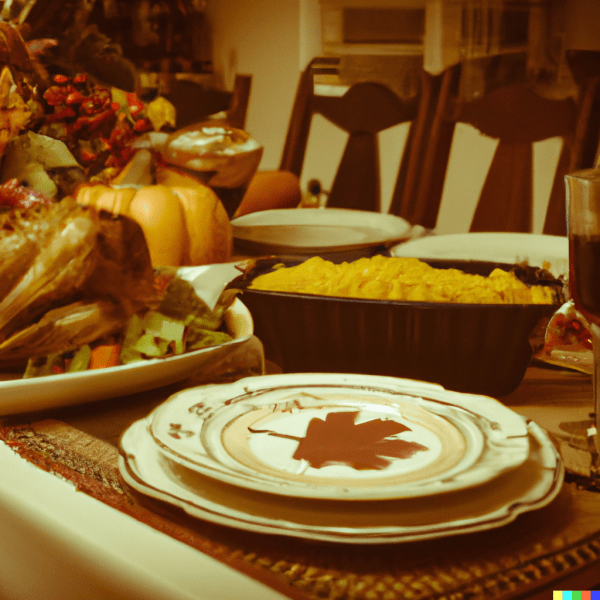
404, 279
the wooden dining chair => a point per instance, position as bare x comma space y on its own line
235, 114
195, 102
517, 117
363, 111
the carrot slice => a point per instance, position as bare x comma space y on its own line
106, 355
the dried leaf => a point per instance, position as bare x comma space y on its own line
161, 112
339, 440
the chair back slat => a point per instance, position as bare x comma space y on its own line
517, 117
357, 182
506, 200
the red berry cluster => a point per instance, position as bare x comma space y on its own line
15, 195
94, 128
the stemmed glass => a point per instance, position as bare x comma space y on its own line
583, 224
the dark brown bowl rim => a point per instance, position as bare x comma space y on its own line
243, 282
405, 303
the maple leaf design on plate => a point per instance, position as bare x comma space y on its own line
339, 440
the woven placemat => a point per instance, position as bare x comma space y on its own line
508, 562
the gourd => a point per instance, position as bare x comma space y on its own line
183, 220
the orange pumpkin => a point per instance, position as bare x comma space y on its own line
183, 221
271, 189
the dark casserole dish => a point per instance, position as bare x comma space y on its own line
475, 348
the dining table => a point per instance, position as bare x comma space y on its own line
73, 528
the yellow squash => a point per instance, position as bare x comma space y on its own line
183, 221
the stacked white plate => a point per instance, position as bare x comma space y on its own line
342, 457
537, 250
317, 230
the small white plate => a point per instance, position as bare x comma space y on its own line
23, 395
306, 230
340, 436
508, 248
498, 502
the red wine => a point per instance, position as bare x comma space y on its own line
584, 278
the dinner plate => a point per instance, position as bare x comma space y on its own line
24, 395
493, 246
309, 230
340, 436
530, 486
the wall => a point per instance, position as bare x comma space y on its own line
272, 40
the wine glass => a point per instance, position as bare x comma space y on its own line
583, 225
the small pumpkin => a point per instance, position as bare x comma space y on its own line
183, 221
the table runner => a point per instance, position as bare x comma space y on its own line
79, 444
